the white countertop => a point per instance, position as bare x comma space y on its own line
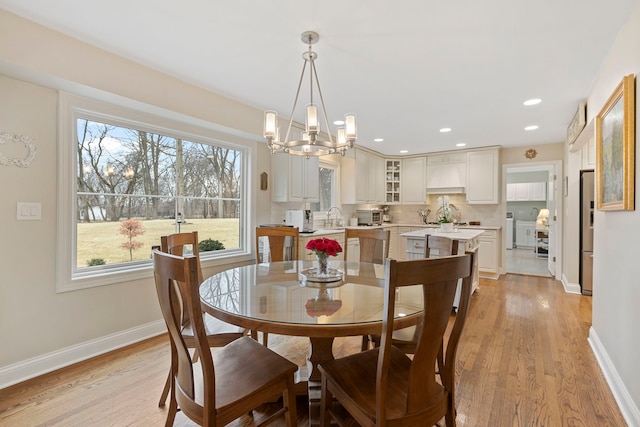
461, 234
424, 229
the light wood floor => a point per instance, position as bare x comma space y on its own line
524, 360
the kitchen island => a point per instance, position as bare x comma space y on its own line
468, 240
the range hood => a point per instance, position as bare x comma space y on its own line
446, 178
445, 190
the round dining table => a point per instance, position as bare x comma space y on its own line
289, 298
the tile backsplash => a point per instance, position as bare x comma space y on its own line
407, 214
486, 214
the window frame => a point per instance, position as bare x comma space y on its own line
71, 108
335, 165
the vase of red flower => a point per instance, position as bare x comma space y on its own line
324, 248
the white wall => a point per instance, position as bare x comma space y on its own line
40, 329
616, 288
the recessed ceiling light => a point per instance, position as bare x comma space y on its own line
339, 122
378, 140
460, 144
404, 151
445, 130
532, 127
532, 101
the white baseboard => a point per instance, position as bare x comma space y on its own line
629, 410
570, 288
30, 368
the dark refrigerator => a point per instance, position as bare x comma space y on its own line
587, 181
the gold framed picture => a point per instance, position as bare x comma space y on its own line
615, 149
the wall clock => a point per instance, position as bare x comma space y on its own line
530, 153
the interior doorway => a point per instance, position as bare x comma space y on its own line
532, 236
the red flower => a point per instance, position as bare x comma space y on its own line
329, 246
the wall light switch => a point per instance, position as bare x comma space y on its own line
29, 211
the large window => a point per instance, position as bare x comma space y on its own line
135, 181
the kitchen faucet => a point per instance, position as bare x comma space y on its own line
335, 221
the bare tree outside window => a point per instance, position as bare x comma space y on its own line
132, 174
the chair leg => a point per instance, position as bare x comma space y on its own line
265, 339
165, 391
289, 400
173, 406
365, 343
326, 399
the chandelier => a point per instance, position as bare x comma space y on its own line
310, 142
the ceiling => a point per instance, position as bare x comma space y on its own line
407, 68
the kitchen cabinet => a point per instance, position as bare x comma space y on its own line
393, 169
393, 241
414, 177
354, 250
482, 177
539, 191
295, 178
363, 178
488, 254
446, 173
527, 191
401, 242
525, 234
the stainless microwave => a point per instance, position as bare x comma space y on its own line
369, 216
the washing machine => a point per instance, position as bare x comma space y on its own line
509, 230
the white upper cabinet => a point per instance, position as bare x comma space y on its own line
414, 180
392, 181
446, 173
527, 192
539, 191
482, 177
363, 179
295, 178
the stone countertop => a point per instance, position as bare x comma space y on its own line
461, 234
479, 228
461, 227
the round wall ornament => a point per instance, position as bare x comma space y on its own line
28, 144
530, 153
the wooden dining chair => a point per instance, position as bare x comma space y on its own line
225, 384
384, 386
406, 338
219, 333
283, 244
374, 243
374, 248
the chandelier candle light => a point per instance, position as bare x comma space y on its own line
310, 143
